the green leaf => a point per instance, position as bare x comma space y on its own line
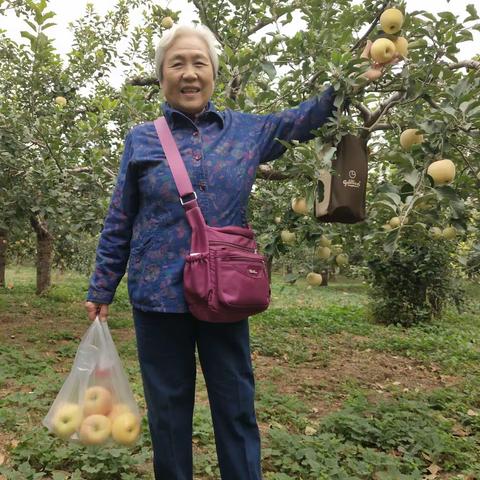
412, 177
387, 204
28, 35
394, 196
472, 11
269, 69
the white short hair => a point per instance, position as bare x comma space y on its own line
169, 37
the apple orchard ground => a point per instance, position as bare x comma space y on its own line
313, 351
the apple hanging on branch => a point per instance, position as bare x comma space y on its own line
410, 137
391, 20
441, 172
299, 205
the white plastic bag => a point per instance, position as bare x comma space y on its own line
96, 403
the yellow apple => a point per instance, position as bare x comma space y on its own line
126, 428
401, 45
382, 50
323, 252
118, 409
299, 205
314, 278
410, 137
341, 259
436, 233
336, 249
394, 222
61, 101
277, 220
287, 237
98, 400
449, 233
67, 419
324, 241
95, 429
442, 171
167, 22
387, 227
391, 20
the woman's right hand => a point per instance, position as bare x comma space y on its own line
94, 309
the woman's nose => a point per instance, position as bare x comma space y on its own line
189, 72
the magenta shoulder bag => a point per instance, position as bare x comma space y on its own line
225, 278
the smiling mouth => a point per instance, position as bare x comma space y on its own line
190, 91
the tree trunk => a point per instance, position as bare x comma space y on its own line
3, 250
44, 253
269, 266
324, 278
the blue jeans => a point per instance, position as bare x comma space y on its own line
166, 351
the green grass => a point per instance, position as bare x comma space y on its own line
322, 412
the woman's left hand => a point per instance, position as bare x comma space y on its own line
376, 70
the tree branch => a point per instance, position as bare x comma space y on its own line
266, 172
361, 40
384, 107
142, 82
263, 23
468, 64
380, 126
205, 19
365, 112
465, 159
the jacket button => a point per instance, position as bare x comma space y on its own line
202, 186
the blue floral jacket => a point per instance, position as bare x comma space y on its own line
146, 225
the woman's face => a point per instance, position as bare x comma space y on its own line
187, 70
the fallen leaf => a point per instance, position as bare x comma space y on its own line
434, 469
459, 431
310, 431
472, 413
2, 458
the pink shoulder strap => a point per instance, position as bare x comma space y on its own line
174, 159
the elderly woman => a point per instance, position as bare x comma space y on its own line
146, 226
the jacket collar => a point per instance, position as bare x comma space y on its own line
173, 116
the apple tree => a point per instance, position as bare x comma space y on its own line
62, 130
263, 69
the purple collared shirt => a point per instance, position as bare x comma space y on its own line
146, 225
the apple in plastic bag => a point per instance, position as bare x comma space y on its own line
118, 409
67, 419
98, 400
95, 430
126, 428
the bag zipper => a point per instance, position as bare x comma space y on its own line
236, 257
247, 249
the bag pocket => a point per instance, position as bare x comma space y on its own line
196, 278
242, 281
